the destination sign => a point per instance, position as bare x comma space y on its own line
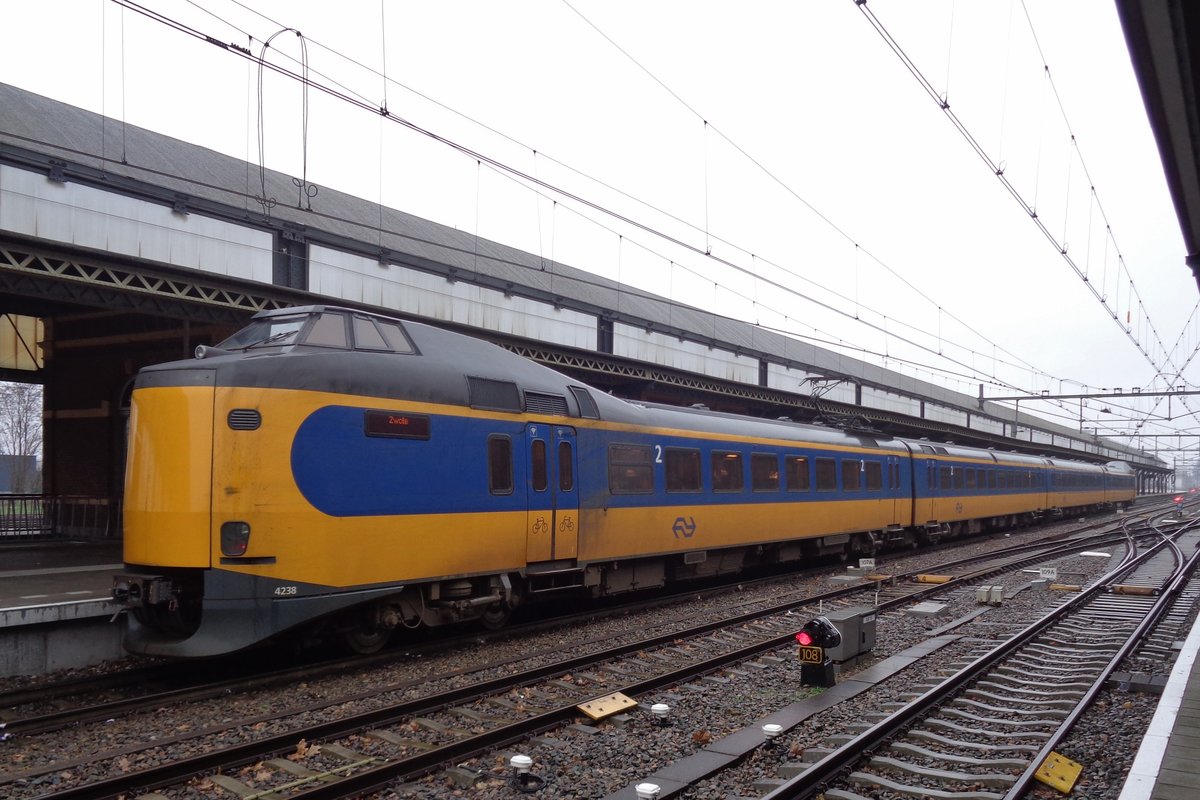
396, 425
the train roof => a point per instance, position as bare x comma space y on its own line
436, 365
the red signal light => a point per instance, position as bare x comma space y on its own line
804, 638
1179, 498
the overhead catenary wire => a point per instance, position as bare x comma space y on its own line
970, 374
999, 172
780, 182
496, 164
1018, 362
305, 77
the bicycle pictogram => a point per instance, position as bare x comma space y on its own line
540, 526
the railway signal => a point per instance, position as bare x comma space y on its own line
816, 668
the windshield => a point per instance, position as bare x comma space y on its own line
272, 330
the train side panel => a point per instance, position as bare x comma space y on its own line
647, 518
328, 503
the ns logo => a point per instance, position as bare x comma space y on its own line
684, 527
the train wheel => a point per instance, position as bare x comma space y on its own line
365, 640
862, 545
363, 633
496, 616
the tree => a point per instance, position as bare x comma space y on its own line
21, 433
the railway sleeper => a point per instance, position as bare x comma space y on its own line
908, 748
994, 779
882, 782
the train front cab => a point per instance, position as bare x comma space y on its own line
167, 506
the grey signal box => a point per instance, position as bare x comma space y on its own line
857, 626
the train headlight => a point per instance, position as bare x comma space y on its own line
235, 538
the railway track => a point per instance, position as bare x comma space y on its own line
984, 732
410, 738
41, 709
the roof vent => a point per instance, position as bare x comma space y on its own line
540, 403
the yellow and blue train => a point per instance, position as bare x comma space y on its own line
330, 466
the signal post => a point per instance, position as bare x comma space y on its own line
816, 668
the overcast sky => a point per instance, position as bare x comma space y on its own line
786, 138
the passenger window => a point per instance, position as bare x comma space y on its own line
944, 480
726, 472
682, 469
764, 472
874, 476
851, 474
566, 469
959, 477
500, 472
630, 469
970, 478
537, 466
826, 474
797, 473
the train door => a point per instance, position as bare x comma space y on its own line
552, 522
926, 488
900, 512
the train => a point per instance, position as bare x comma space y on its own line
335, 471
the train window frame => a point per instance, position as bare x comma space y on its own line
852, 470
500, 464
971, 481
945, 477
959, 476
683, 463
364, 328
317, 335
797, 467
278, 330
396, 337
825, 473
726, 481
628, 475
874, 476
768, 482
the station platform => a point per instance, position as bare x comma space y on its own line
54, 609
1165, 765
